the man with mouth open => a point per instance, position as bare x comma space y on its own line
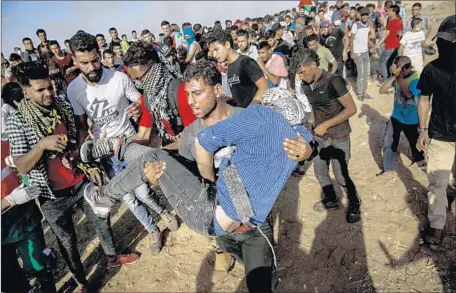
263, 160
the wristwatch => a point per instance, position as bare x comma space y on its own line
422, 129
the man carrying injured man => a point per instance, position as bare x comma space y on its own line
263, 150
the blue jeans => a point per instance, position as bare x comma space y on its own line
362, 62
384, 58
136, 201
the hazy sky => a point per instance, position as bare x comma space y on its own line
61, 19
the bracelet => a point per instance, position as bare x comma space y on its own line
422, 129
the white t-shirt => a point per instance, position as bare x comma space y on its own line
105, 103
412, 44
252, 52
361, 37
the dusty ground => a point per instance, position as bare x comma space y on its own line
316, 252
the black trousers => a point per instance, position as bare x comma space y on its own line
59, 214
411, 133
254, 250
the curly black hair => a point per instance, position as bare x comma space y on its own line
140, 54
303, 56
203, 69
221, 37
12, 92
24, 72
83, 42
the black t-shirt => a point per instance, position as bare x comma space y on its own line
324, 99
242, 76
334, 41
440, 82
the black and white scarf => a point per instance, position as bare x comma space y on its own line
44, 121
155, 87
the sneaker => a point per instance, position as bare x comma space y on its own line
434, 238
123, 259
91, 194
354, 213
367, 97
170, 221
324, 205
85, 152
91, 151
155, 244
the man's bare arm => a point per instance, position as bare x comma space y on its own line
423, 111
205, 162
262, 86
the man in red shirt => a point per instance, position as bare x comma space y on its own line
63, 62
152, 75
391, 40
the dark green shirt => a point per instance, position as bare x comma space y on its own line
19, 221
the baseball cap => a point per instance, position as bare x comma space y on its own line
364, 11
165, 49
447, 29
324, 24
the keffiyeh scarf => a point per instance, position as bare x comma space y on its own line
155, 87
285, 103
44, 121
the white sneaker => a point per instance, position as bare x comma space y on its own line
91, 193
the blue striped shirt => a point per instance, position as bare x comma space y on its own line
258, 133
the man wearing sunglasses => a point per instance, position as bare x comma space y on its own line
405, 112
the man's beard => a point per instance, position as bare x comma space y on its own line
97, 78
245, 50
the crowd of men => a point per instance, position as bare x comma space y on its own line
216, 119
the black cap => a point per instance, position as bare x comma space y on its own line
447, 29
165, 49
